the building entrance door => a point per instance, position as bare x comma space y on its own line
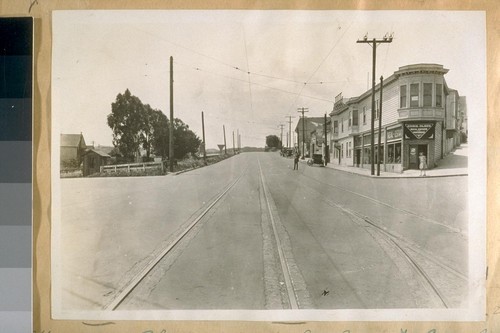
415, 151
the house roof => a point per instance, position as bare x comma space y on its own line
311, 123
106, 149
72, 140
96, 151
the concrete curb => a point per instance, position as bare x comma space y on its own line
389, 176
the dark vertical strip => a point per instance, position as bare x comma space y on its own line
16, 150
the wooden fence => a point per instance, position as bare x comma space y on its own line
132, 166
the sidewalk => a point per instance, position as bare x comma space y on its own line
454, 164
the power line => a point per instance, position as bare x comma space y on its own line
373, 43
290, 130
303, 128
248, 69
254, 83
318, 67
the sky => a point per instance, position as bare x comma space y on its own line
248, 70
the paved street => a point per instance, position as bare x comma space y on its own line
260, 235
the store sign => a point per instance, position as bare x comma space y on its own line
394, 133
418, 131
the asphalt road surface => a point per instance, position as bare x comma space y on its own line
252, 233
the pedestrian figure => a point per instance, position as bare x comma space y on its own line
423, 163
296, 161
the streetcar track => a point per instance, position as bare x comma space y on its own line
395, 241
125, 291
284, 265
422, 273
408, 212
357, 217
392, 236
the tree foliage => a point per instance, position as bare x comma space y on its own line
136, 125
185, 141
125, 119
272, 141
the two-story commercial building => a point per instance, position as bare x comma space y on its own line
304, 129
417, 117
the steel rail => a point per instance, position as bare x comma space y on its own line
429, 220
139, 277
395, 237
284, 265
394, 240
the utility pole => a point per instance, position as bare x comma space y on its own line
171, 127
224, 130
234, 151
325, 146
238, 140
303, 129
204, 143
281, 137
380, 127
373, 43
289, 130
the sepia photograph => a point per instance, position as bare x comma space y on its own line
268, 165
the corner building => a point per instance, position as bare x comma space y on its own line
415, 119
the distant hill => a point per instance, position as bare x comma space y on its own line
251, 149
213, 151
230, 150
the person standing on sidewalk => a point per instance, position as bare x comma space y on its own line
422, 163
296, 161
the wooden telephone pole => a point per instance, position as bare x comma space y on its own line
289, 144
171, 127
303, 129
204, 143
373, 43
281, 137
225, 146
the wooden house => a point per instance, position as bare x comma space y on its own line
93, 159
72, 148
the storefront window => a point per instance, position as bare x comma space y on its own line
414, 95
427, 94
390, 153
357, 141
397, 152
394, 153
366, 156
402, 96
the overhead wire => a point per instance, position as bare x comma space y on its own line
248, 72
253, 83
248, 69
319, 66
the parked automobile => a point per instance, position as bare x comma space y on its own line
287, 152
316, 159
